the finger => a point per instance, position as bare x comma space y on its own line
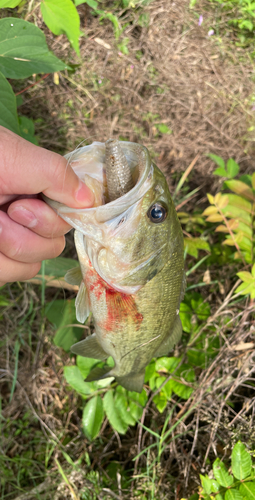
20, 244
11, 270
29, 169
39, 217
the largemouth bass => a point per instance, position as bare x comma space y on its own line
130, 250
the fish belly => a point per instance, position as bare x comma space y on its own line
133, 328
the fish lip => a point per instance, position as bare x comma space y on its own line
106, 212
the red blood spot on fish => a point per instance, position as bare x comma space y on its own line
120, 306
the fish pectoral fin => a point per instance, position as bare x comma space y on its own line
74, 276
132, 382
98, 374
82, 304
171, 340
89, 348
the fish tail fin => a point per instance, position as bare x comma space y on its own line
98, 374
132, 382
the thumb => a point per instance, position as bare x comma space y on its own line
29, 169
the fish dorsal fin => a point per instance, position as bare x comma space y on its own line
89, 348
170, 341
74, 276
132, 382
82, 304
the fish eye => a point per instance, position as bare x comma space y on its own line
157, 213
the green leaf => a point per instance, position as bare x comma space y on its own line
241, 188
27, 129
24, 50
206, 484
245, 276
160, 400
233, 494
221, 474
240, 461
217, 159
163, 129
57, 268
221, 172
192, 245
85, 365
61, 16
92, 418
74, 378
167, 364
112, 413
9, 4
248, 490
183, 391
8, 108
232, 168
62, 314
136, 403
92, 3
121, 404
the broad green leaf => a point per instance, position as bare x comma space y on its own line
85, 365
241, 188
182, 390
221, 172
112, 413
246, 178
206, 484
57, 268
136, 403
61, 16
167, 365
214, 218
91, 3
27, 129
247, 278
192, 245
248, 490
160, 400
217, 159
219, 497
253, 270
8, 108
185, 316
240, 461
233, 494
92, 417
239, 202
74, 378
245, 288
232, 168
24, 50
121, 404
62, 314
210, 210
253, 180
9, 4
221, 474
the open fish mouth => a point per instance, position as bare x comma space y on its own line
100, 224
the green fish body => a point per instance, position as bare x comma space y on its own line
132, 267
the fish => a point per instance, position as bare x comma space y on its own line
130, 250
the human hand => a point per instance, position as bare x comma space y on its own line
30, 231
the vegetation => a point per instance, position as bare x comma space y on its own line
66, 438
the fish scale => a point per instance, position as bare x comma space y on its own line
130, 251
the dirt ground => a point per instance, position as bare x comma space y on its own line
201, 88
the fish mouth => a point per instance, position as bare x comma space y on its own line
99, 223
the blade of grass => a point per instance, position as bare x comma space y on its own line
15, 375
184, 176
